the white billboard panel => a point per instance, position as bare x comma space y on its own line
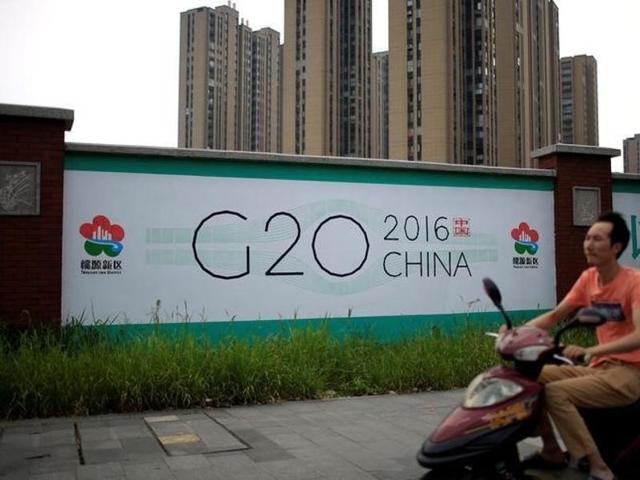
628, 203
140, 246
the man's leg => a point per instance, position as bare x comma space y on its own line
607, 386
551, 450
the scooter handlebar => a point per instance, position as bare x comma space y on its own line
581, 359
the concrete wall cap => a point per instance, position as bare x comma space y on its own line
625, 176
575, 149
48, 113
302, 159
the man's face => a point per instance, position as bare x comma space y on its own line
597, 244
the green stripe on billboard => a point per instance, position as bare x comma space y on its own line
386, 329
210, 167
625, 186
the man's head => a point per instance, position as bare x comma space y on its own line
606, 239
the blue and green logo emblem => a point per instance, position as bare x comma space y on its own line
526, 239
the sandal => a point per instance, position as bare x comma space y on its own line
536, 461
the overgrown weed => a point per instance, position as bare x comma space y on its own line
80, 369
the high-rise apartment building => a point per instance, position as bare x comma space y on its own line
229, 82
425, 88
265, 102
280, 98
207, 100
472, 81
631, 154
579, 82
380, 105
528, 78
244, 88
326, 77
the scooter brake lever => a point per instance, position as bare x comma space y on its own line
563, 359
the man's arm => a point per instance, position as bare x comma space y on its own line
625, 344
550, 318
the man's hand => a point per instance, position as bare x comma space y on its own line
575, 352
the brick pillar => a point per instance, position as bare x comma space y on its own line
575, 166
31, 230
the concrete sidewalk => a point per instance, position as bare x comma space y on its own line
348, 438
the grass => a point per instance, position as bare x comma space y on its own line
80, 370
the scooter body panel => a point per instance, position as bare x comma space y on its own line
464, 421
474, 448
468, 435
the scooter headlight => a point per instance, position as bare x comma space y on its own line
530, 354
485, 392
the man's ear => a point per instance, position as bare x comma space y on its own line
617, 247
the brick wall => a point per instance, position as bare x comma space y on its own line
31, 246
575, 166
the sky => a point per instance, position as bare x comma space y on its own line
115, 62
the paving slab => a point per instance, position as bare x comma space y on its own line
239, 466
104, 471
157, 470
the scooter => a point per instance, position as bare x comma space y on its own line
503, 405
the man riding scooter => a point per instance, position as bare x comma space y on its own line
612, 377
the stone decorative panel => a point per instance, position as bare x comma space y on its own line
19, 188
586, 205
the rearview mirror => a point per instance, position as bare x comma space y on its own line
590, 316
587, 316
492, 291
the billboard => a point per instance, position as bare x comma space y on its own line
628, 203
244, 243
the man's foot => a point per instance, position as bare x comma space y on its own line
598, 469
536, 461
